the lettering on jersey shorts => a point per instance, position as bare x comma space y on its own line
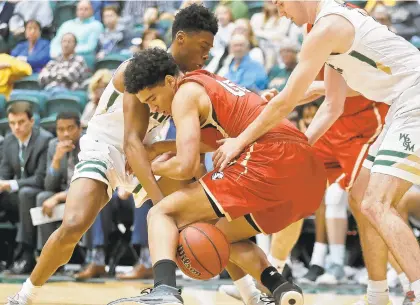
406, 141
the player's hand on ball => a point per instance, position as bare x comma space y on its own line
229, 150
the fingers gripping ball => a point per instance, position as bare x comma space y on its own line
203, 251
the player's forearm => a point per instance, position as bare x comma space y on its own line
175, 169
323, 120
137, 157
275, 111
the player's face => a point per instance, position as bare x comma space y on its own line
192, 49
159, 98
292, 10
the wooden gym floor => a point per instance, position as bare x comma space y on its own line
100, 293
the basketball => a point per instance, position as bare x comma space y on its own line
202, 252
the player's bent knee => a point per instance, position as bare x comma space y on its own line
336, 201
336, 211
73, 228
372, 209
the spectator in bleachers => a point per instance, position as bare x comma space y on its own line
61, 159
26, 10
115, 38
243, 26
280, 73
86, 29
133, 11
143, 42
35, 50
221, 62
6, 12
271, 30
243, 70
97, 85
308, 114
382, 15
67, 72
22, 172
226, 27
238, 7
98, 6
11, 69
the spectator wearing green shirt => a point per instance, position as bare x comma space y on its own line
280, 73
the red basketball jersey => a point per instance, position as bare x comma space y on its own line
233, 109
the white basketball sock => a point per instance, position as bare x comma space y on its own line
338, 253
28, 291
415, 286
405, 282
378, 292
246, 287
319, 254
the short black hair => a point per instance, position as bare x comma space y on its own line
69, 115
148, 68
20, 107
194, 18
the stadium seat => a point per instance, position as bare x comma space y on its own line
57, 104
2, 106
29, 82
111, 61
64, 11
62, 102
83, 97
255, 7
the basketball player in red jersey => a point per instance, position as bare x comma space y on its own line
257, 193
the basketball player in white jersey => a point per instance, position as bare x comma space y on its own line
115, 136
384, 67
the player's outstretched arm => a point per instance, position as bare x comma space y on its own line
136, 121
332, 107
185, 112
324, 38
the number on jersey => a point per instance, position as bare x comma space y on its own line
233, 88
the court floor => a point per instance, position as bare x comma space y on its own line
72, 293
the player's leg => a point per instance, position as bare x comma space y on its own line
324, 151
252, 260
375, 251
85, 199
282, 244
320, 250
408, 209
336, 202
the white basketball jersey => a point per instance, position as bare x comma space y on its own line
107, 124
380, 65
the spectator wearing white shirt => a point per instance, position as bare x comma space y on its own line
226, 27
